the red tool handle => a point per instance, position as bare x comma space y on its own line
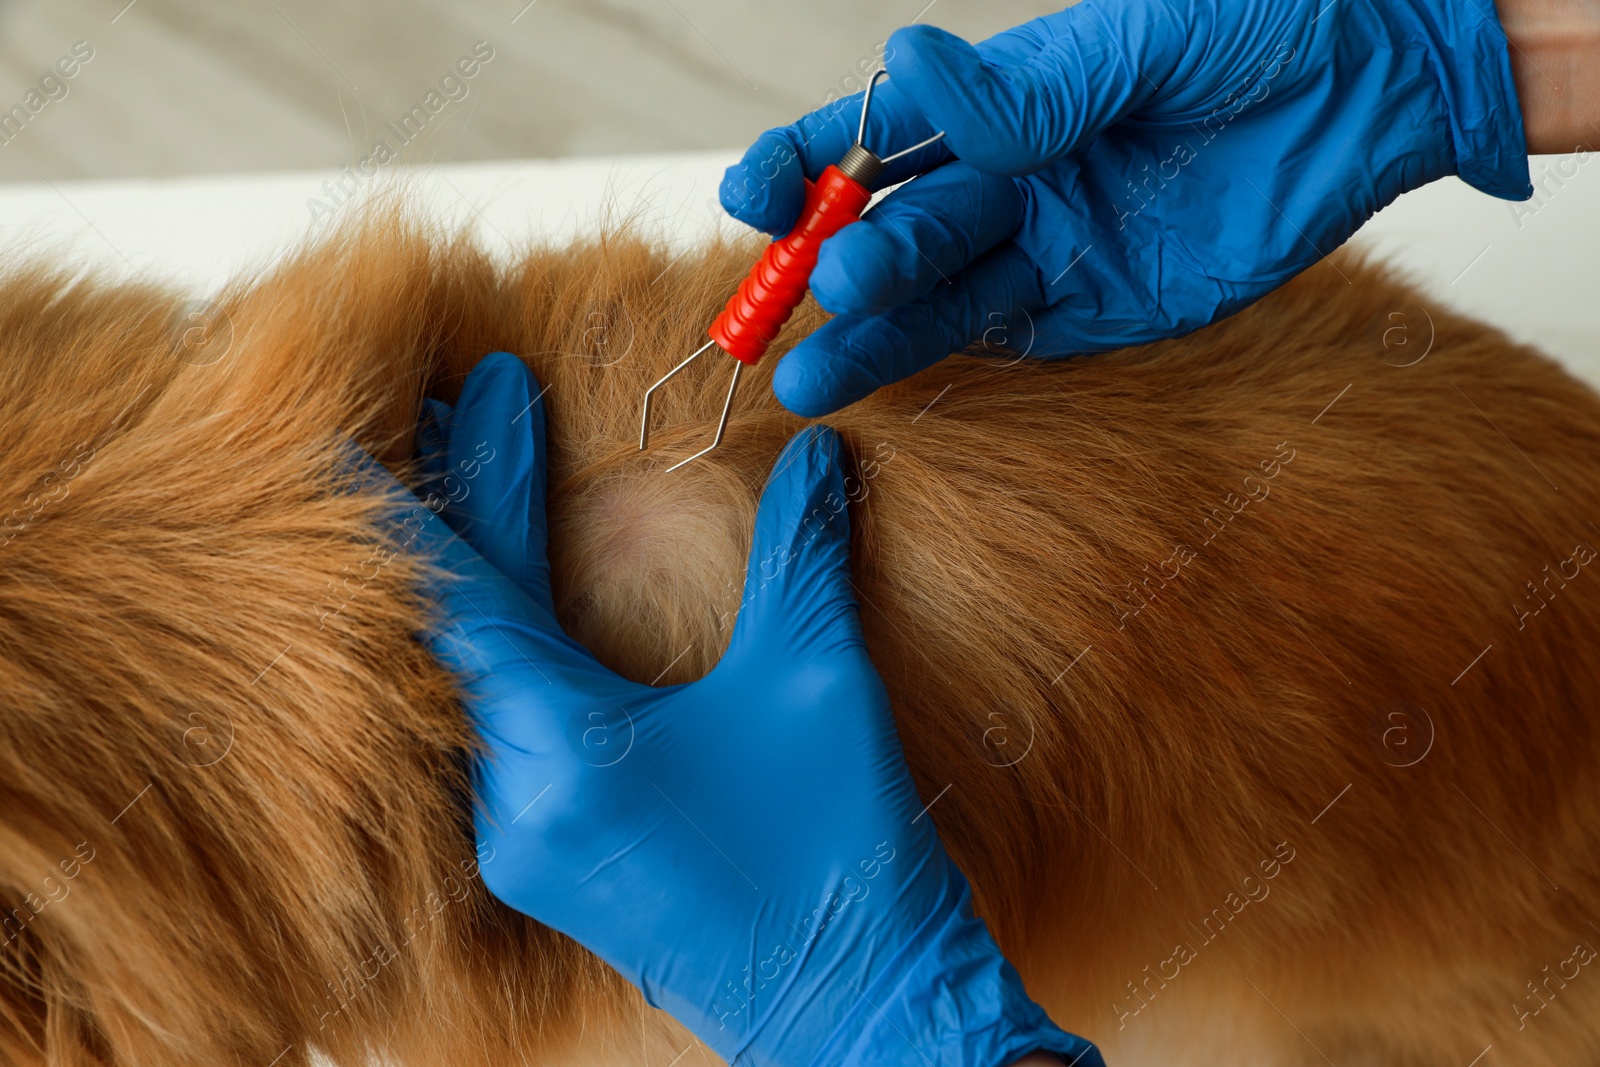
778, 283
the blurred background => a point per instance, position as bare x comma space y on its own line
186, 87
194, 139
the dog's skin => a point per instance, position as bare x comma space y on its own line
1258, 664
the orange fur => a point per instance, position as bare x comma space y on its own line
235, 820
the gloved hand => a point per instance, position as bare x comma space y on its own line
748, 849
1124, 171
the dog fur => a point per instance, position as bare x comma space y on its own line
1258, 664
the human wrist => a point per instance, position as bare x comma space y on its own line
1554, 46
1465, 48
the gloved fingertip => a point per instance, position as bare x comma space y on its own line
735, 194
988, 120
806, 384
857, 272
923, 57
496, 363
500, 383
919, 40
766, 188
815, 452
800, 517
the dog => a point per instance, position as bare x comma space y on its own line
1253, 669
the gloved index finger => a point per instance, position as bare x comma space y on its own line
494, 473
465, 586
766, 188
485, 623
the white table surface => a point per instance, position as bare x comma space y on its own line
1529, 268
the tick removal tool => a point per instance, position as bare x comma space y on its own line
778, 282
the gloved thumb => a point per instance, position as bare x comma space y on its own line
1017, 118
798, 595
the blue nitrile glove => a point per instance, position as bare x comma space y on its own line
748, 849
1125, 170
